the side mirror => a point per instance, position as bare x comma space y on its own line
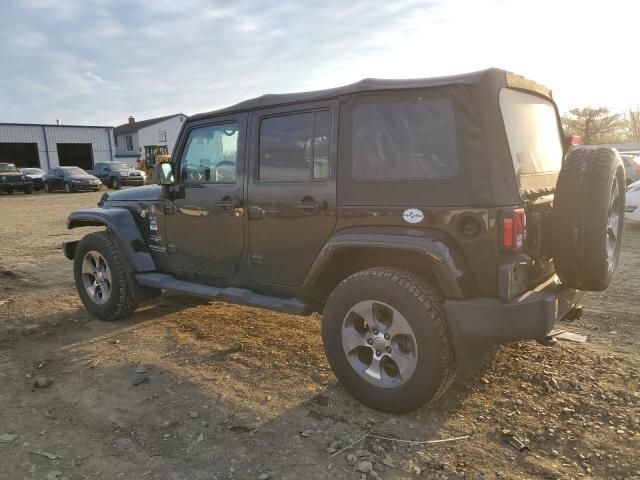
165, 174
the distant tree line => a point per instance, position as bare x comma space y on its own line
600, 125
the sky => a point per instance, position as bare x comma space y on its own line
96, 62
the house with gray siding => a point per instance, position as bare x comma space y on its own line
133, 137
47, 146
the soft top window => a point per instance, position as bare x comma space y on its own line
407, 140
532, 130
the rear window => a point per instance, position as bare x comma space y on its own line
532, 131
404, 140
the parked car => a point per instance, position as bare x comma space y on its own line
36, 176
422, 218
117, 174
11, 179
632, 207
631, 162
70, 179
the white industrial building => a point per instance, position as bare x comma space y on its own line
134, 139
49, 146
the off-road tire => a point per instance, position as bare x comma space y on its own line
422, 306
121, 302
580, 218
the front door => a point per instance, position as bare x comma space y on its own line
204, 221
292, 190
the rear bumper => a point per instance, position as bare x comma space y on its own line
136, 181
529, 316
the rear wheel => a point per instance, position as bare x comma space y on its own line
28, 190
101, 278
386, 338
588, 217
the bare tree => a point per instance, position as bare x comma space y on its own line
594, 125
633, 125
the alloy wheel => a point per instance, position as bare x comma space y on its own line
96, 277
379, 344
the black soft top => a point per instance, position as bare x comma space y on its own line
372, 85
485, 176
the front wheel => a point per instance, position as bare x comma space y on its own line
115, 184
28, 190
47, 188
68, 188
101, 278
387, 340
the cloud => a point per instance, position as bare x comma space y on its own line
95, 77
96, 62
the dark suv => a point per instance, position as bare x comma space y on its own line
12, 179
422, 218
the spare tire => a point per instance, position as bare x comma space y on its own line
587, 218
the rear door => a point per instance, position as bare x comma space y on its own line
291, 189
204, 221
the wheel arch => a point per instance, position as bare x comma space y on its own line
120, 221
428, 254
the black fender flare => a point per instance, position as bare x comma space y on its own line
121, 222
432, 247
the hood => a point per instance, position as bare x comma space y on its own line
83, 177
34, 175
147, 192
10, 174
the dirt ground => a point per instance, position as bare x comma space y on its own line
229, 392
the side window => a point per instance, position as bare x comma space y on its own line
404, 140
129, 143
210, 155
295, 147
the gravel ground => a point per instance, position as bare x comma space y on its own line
187, 389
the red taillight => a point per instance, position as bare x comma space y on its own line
636, 162
575, 140
514, 224
507, 232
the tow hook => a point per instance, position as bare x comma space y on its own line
574, 314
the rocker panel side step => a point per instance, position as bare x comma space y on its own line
240, 296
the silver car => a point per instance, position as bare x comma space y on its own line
631, 162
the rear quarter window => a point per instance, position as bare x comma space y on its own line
404, 140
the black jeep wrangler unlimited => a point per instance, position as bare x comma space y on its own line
422, 218
12, 179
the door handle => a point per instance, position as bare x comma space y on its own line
307, 205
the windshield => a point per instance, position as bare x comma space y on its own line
32, 171
8, 167
74, 171
119, 166
532, 131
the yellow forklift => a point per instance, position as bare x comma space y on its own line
153, 154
